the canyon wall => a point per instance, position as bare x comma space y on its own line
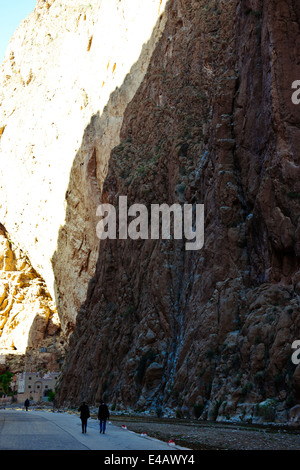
187, 102
212, 123
68, 74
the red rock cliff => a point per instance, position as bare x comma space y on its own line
212, 122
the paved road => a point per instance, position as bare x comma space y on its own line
41, 430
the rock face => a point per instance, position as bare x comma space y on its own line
65, 84
205, 116
212, 123
28, 315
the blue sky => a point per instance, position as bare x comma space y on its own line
12, 13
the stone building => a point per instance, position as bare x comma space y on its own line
35, 385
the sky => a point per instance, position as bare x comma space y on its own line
12, 13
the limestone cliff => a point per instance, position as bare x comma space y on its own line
204, 116
29, 321
69, 72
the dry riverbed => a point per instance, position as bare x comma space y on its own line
213, 436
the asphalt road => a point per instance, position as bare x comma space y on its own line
41, 430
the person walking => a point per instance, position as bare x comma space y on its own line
103, 415
84, 416
26, 404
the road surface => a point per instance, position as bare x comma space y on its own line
42, 430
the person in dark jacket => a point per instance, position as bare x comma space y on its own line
103, 415
26, 404
84, 415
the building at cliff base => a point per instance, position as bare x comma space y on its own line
35, 386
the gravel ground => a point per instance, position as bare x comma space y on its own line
213, 436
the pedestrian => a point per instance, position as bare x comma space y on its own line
103, 415
84, 416
26, 404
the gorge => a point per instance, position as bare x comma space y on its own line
164, 102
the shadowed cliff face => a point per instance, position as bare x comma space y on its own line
212, 123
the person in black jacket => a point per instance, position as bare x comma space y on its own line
103, 415
84, 415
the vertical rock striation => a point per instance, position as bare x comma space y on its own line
213, 123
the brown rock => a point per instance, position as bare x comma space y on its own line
202, 113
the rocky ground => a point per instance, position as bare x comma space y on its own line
213, 436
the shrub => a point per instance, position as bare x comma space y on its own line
198, 409
5, 380
246, 388
215, 412
210, 354
147, 358
51, 395
259, 377
267, 409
